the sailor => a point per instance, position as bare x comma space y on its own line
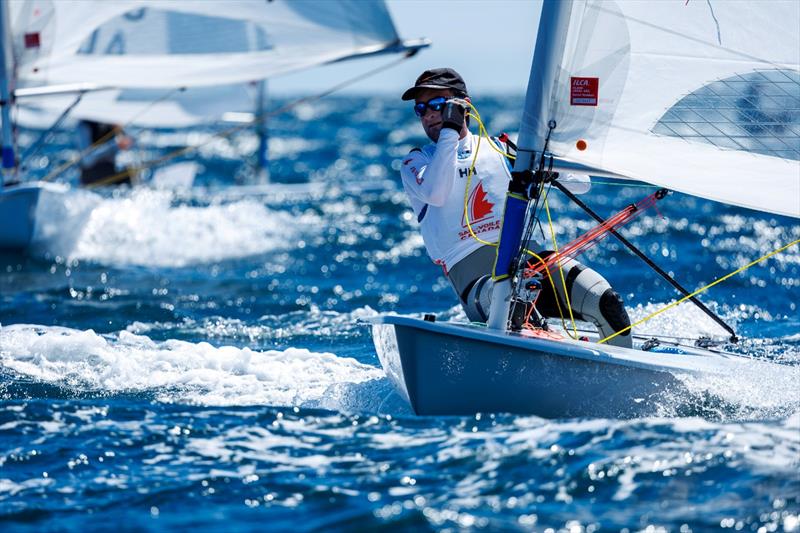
435, 178
99, 144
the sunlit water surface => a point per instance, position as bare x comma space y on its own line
176, 359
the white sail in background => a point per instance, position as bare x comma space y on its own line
146, 108
215, 50
699, 96
153, 44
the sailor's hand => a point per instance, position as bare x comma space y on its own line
453, 115
124, 142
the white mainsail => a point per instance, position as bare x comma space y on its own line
140, 48
698, 96
146, 108
141, 44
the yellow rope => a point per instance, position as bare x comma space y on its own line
553, 285
70, 162
561, 272
114, 131
482, 132
230, 131
698, 291
469, 182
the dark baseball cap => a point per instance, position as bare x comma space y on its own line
437, 78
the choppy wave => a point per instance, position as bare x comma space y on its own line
314, 322
89, 364
129, 362
146, 227
492, 472
198, 363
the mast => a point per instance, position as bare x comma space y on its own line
550, 43
262, 166
6, 73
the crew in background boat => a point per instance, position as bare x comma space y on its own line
434, 178
99, 144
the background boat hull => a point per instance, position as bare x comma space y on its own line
17, 220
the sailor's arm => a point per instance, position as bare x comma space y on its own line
430, 180
91, 154
98, 153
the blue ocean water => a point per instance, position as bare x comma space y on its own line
176, 359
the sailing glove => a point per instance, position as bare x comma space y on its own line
453, 116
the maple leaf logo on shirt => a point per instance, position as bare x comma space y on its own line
480, 208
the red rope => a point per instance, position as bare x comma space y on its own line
591, 237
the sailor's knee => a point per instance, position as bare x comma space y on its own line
613, 311
593, 297
478, 299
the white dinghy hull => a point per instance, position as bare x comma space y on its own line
17, 215
460, 369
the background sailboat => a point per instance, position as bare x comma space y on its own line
137, 49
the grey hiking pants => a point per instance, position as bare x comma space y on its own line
591, 296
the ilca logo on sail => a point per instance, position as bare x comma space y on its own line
584, 91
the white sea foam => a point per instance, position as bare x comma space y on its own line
373, 395
9, 487
145, 227
61, 216
754, 390
750, 391
179, 371
686, 321
312, 322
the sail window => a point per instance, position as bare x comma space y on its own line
148, 31
754, 112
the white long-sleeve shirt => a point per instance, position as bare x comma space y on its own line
435, 179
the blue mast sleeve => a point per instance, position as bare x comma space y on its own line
510, 235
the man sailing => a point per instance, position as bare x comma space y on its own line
434, 178
99, 145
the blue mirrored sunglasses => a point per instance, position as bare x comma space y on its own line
435, 104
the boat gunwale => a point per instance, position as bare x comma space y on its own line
693, 363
